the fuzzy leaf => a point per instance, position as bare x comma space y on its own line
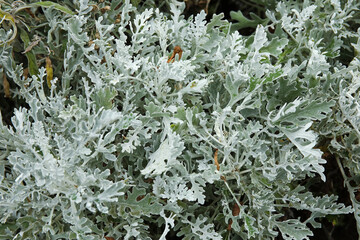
294, 230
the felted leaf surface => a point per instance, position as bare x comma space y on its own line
294, 230
165, 156
137, 203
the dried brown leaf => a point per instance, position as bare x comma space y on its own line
32, 44
236, 210
109, 238
177, 50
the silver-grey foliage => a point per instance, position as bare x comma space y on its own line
123, 145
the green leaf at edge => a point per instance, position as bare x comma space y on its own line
33, 68
55, 5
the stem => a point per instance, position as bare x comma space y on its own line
232, 193
247, 170
52, 212
254, 5
355, 203
291, 36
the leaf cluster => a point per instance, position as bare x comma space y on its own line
221, 142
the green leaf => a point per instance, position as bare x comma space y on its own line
154, 110
300, 112
104, 97
244, 22
135, 2
32, 64
216, 22
138, 203
276, 46
249, 226
57, 6
271, 77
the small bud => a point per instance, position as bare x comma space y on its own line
97, 35
95, 8
105, 9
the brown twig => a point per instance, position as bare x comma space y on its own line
216, 159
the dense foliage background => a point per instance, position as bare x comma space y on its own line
162, 119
